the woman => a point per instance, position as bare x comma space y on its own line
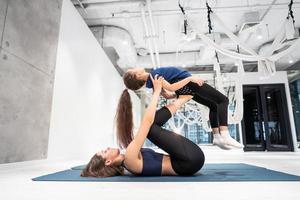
185, 157
183, 83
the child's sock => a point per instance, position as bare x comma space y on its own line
229, 140
219, 141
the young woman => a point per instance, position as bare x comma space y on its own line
185, 157
183, 83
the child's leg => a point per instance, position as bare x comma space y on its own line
213, 118
213, 110
208, 93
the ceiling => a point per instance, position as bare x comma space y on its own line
168, 22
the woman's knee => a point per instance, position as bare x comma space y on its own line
198, 158
154, 131
162, 116
195, 161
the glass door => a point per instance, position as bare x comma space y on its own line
276, 123
253, 134
266, 123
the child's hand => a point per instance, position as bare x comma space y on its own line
197, 80
157, 83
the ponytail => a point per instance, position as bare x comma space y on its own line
124, 120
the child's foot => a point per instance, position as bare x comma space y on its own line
220, 142
230, 141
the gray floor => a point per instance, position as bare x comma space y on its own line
15, 181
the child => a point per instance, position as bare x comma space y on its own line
183, 83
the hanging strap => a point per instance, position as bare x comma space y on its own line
209, 11
185, 22
290, 13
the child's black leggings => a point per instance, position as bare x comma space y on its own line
210, 97
186, 157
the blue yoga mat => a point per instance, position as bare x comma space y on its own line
209, 173
239, 166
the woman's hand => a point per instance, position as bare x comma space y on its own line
167, 94
157, 83
197, 80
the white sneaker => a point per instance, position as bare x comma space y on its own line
230, 141
220, 142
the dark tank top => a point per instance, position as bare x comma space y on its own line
152, 163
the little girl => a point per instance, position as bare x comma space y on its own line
183, 83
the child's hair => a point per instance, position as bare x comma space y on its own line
124, 120
97, 168
131, 81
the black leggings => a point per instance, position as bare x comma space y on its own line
186, 157
210, 97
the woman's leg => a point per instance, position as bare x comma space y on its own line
165, 113
162, 116
186, 157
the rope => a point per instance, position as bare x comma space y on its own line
291, 14
208, 17
217, 57
185, 23
209, 11
181, 8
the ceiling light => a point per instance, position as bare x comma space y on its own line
259, 33
291, 60
142, 51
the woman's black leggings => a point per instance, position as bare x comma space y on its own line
186, 157
210, 97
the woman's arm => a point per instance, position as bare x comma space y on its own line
133, 149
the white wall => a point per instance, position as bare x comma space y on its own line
29, 31
86, 91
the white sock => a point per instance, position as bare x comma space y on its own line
224, 132
229, 140
219, 141
216, 135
